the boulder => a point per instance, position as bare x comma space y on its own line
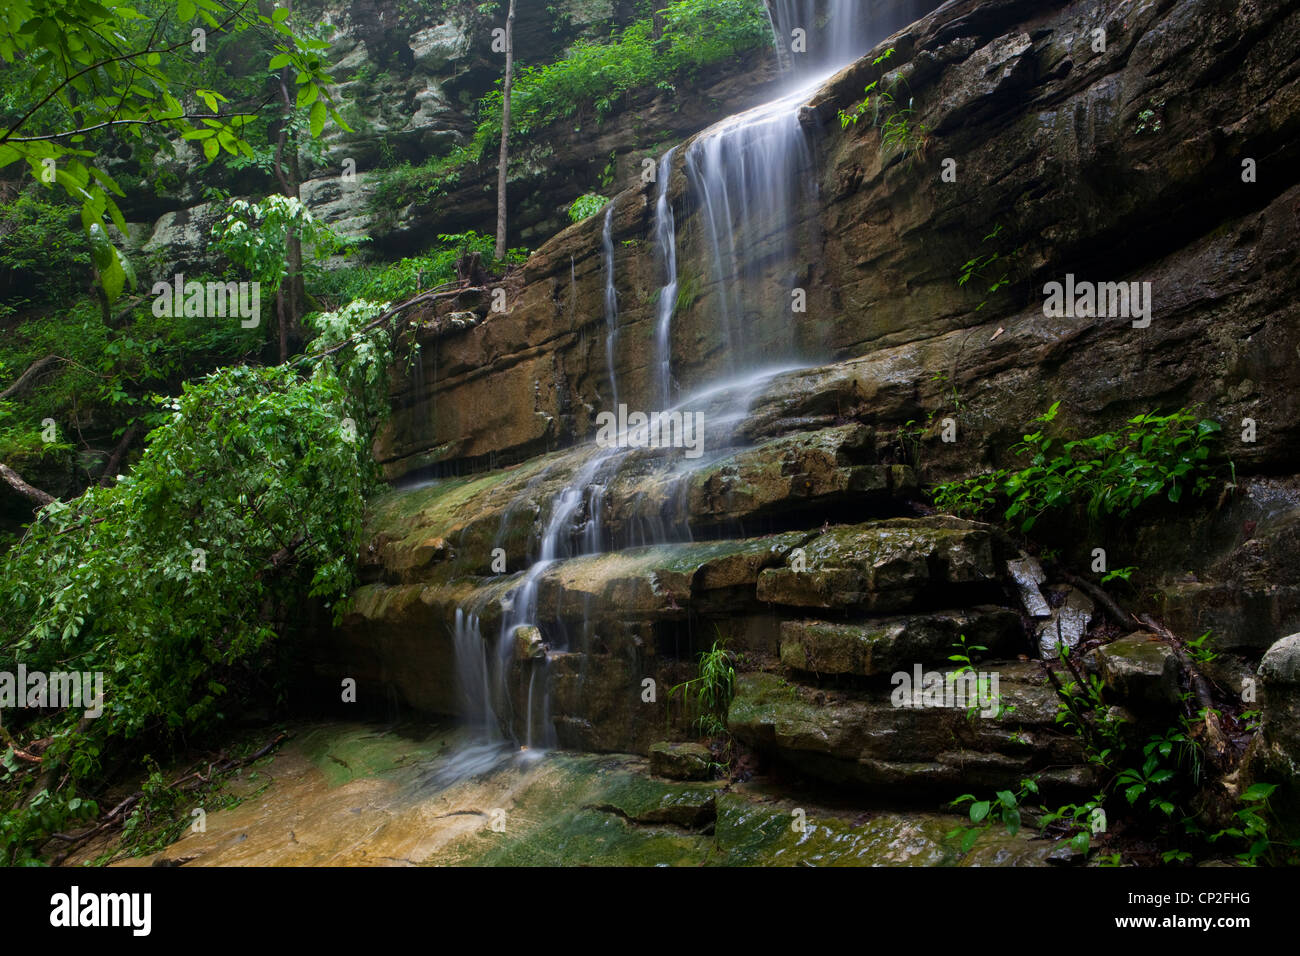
681, 761
1140, 670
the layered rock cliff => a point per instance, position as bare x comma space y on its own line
1113, 142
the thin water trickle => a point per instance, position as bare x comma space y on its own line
611, 301
666, 243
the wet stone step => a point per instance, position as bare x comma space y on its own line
883, 645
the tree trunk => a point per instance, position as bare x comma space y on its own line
291, 292
505, 133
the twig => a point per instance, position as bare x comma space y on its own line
76, 839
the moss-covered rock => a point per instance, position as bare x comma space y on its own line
884, 645
682, 761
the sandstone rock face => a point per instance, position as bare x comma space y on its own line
798, 536
864, 738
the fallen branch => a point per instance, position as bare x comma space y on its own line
1108, 604
187, 784
1215, 739
19, 752
25, 380
15, 481
115, 460
430, 296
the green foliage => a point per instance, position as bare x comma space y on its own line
1119, 574
111, 373
1254, 829
255, 237
1112, 473
22, 830
1004, 808
596, 76
586, 206
89, 67
965, 657
1155, 778
591, 80
42, 257
404, 183
709, 695
398, 281
990, 268
175, 582
1199, 652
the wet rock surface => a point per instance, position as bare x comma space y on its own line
801, 536
359, 795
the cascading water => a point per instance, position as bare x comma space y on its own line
611, 300
819, 36
751, 177
666, 243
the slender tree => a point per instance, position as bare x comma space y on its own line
505, 133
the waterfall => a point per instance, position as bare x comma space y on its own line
752, 176
475, 677
752, 181
834, 32
666, 242
611, 300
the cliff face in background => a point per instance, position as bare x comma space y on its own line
1117, 165
410, 77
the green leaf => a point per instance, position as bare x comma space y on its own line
1258, 791
980, 810
112, 279
317, 118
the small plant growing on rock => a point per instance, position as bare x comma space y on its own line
992, 267
897, 128
1004, 808
586, 206
709, 695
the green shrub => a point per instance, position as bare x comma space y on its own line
1111, 474
397, 281
176, 581
585, 206
43, 256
